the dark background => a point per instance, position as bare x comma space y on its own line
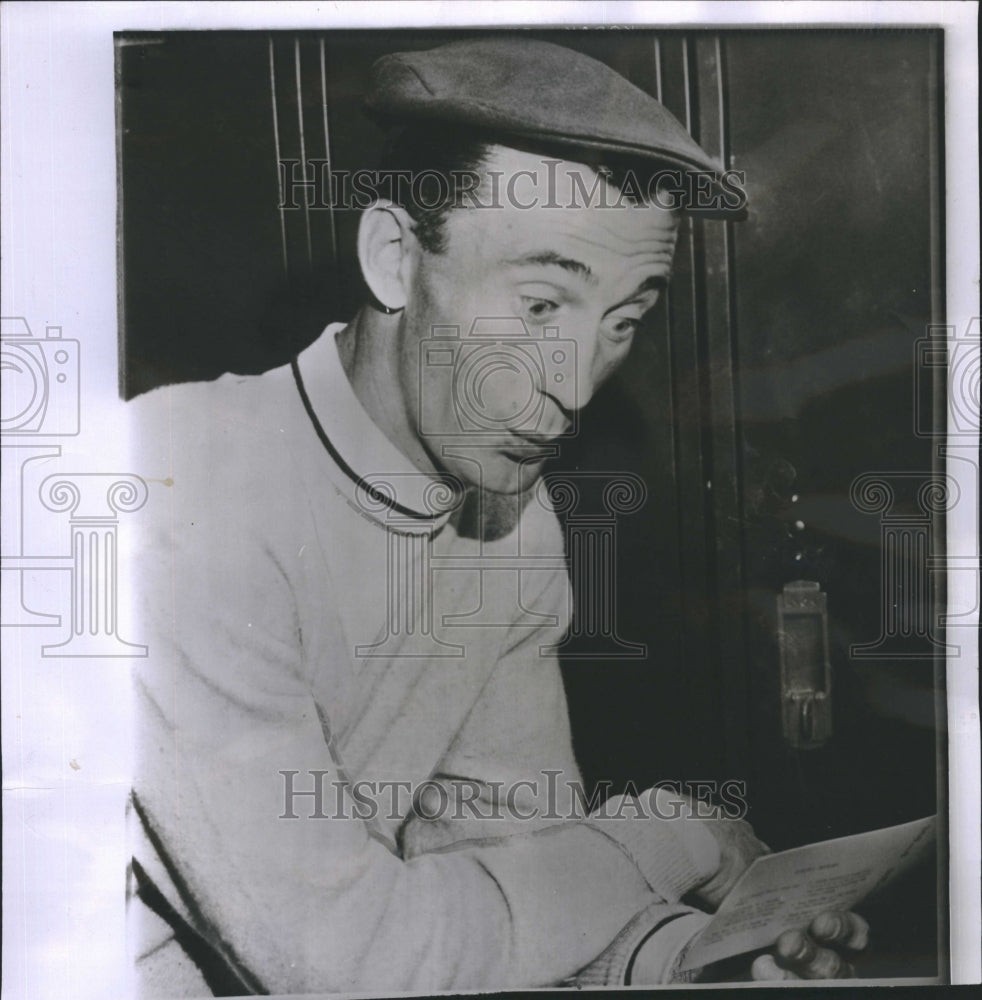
781, 367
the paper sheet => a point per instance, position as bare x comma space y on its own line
787, 890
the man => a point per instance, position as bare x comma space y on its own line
356, 768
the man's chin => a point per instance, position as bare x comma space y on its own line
509, 475
507, 472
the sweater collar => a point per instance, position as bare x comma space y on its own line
371, 472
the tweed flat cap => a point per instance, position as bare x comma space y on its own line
525, 87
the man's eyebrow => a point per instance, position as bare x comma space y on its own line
545, 258
653, 283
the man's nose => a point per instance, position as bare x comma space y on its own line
571, 376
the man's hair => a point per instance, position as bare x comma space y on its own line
425, 168
440, 154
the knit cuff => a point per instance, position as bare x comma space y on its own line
673, 855
647, 951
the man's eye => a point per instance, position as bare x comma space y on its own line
538, 309
620, 328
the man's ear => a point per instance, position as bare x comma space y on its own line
385, 246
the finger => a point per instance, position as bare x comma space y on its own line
824, 964
794, 948
766, 969
841, 928
755, 846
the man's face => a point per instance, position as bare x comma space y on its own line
511, 330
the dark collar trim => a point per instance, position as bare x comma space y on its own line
654, 930
359, 481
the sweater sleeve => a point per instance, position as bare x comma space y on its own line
316, 903
518, 733
648, 951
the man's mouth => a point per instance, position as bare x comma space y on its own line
526, 457
524, 447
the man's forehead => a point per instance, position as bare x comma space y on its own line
527, 198
521, 177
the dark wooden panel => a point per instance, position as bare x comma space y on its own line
721, 415
833, 283
200, 236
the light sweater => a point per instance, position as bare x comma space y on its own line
287, 632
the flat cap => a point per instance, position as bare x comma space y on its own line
533, 89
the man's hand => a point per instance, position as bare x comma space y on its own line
820, 953
735, 838
738, 847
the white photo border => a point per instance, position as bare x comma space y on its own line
66, 724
